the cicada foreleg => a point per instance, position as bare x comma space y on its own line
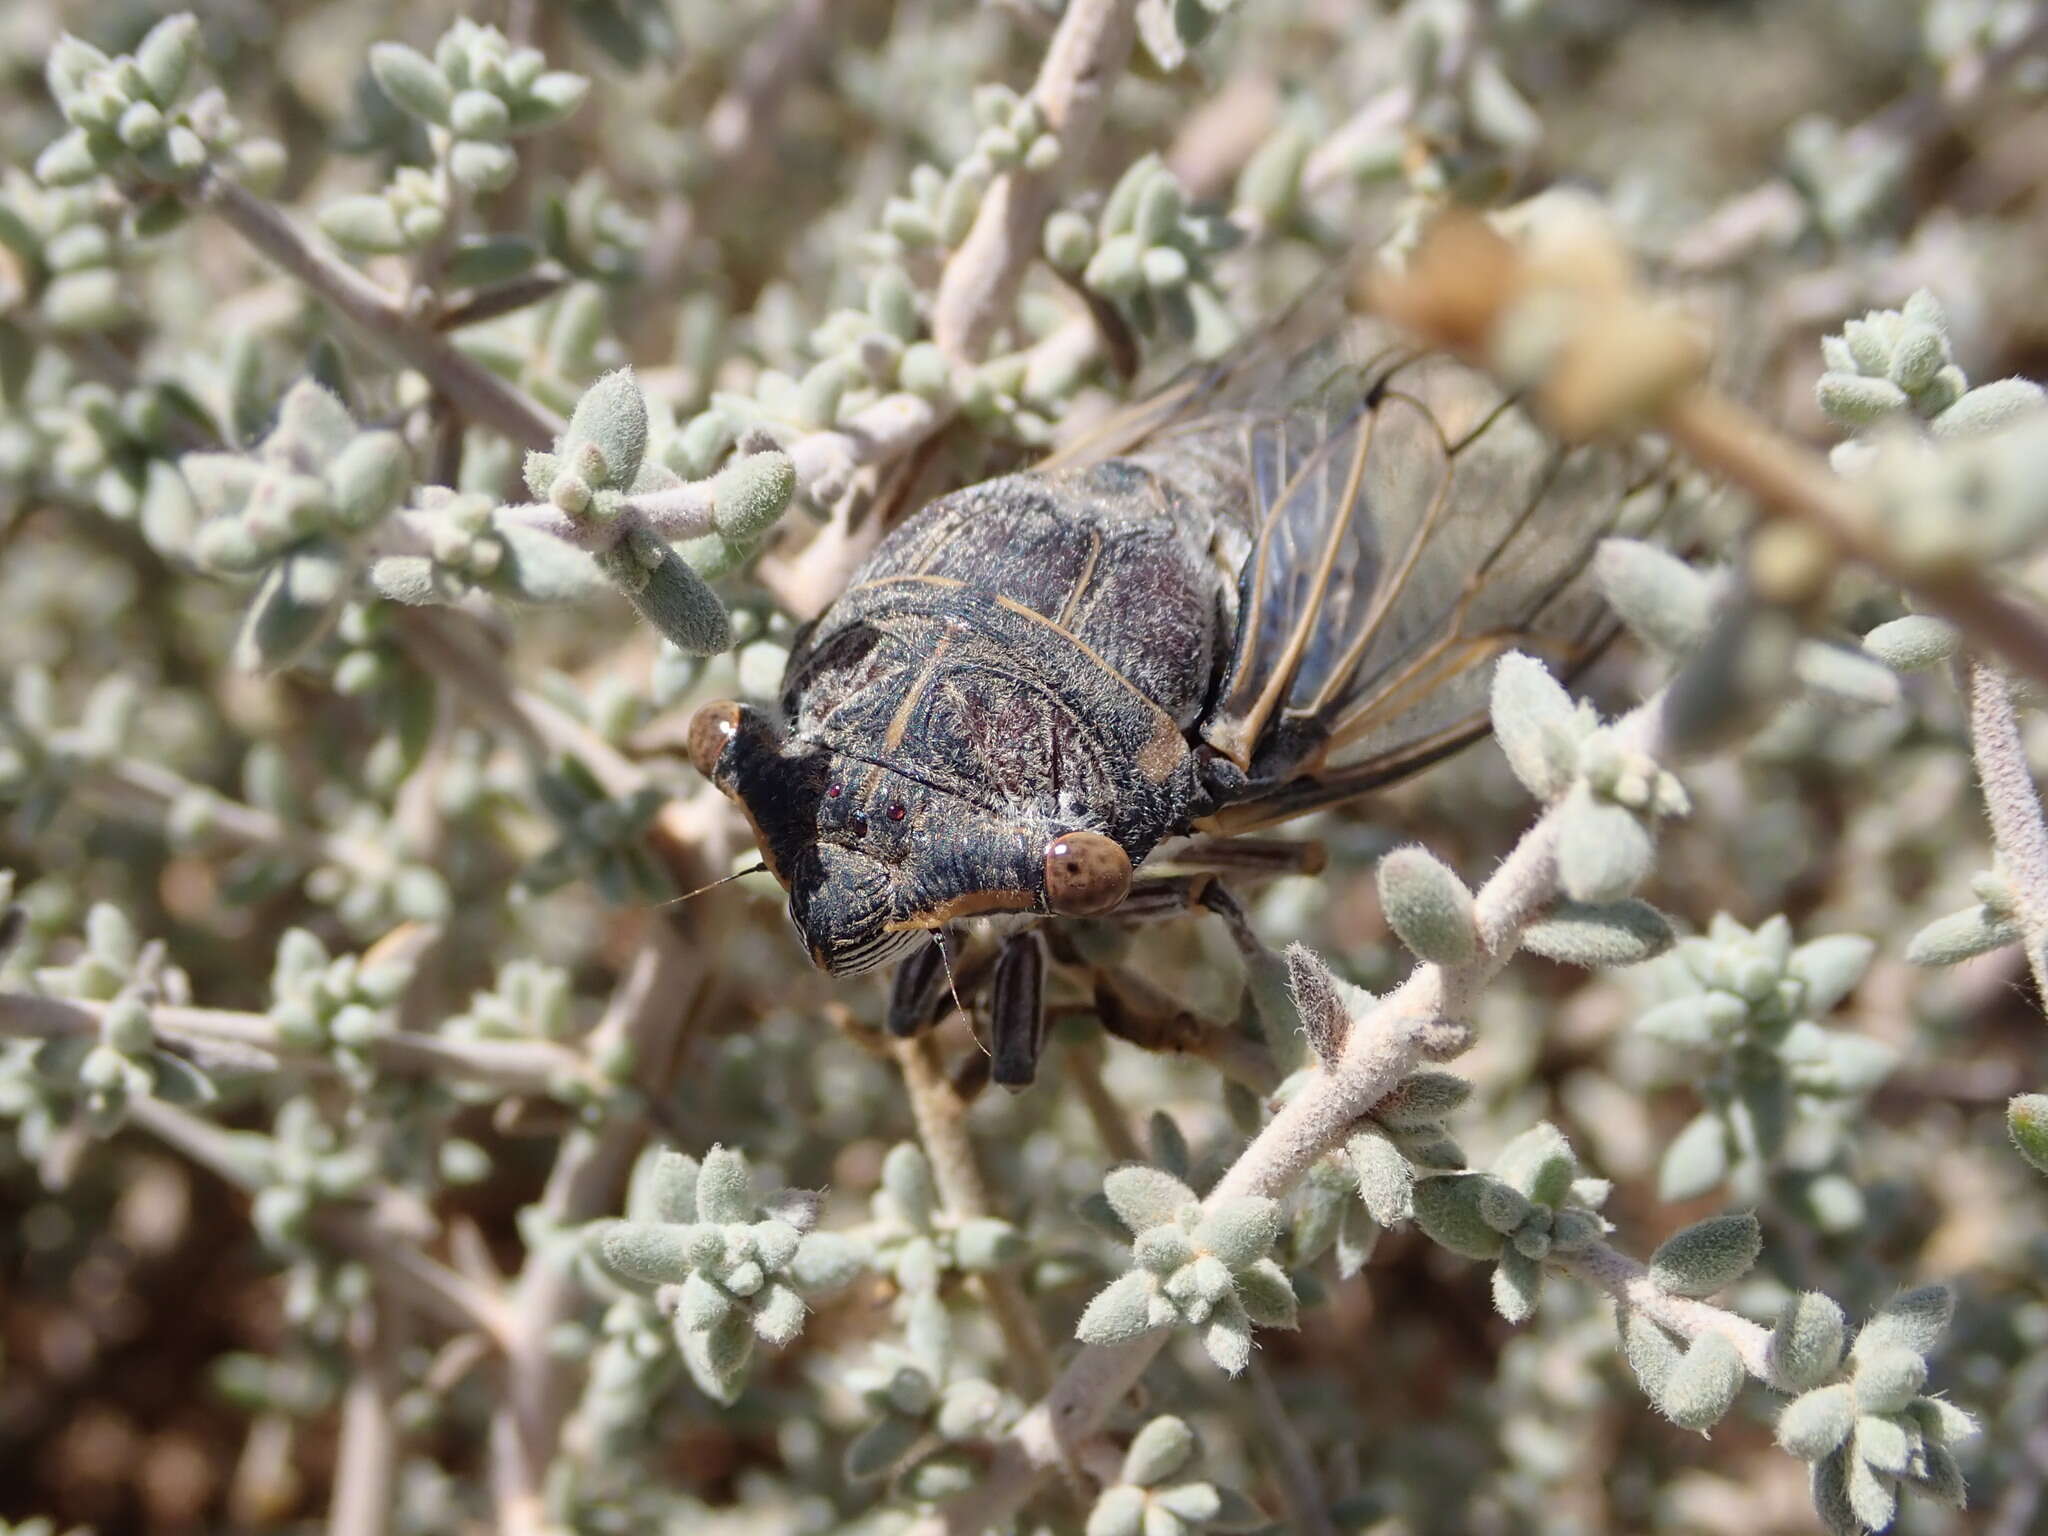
935, 979
1017, 1011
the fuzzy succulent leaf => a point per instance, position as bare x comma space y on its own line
825, 1261
612, 417
1447, 1209
1386, 1182
1267, 1295
1806, 1344
1240, 1231
1145, 1197
1816, 1423
1428, 907
1540, 1164
1536, 724
1707, 1256
1703, 1384
1615, 933
2026, 1120
1916, 643
1120, 1311
1913, 1320
1158, 1452
1651, 1352
1517, 1284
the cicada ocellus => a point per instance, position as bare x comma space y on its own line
1276, 585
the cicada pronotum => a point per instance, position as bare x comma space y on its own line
1277, 584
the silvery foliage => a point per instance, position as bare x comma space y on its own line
1151, 254
133, 114
929, 1414
338, 1004
476, 93
1738, 1008
1731, 660
727, 1265
1532, 1203
299, 511
590, 482
1191, 1266
1693, 1383
1609, 799
2026, 1117
325, 516
126, 1060
1955, 471
913, 1240
1957, 475
41, 759
1861, 1419
1368, 1184
1160, 1491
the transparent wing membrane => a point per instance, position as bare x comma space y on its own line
1407, 522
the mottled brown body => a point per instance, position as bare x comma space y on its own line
1247, 600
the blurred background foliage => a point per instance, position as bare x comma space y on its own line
737, 174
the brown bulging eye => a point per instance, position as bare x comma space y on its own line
1085, 873
710, 729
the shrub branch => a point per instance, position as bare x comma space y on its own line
1421, 1018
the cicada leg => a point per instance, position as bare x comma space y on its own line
936, 978
1253, 858
1134, 1010
1017, 1011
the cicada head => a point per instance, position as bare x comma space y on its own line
874, 860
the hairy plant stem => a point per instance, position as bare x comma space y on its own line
1628, 1281
2013, 806
1082, 64
1413, 1022
649, 1010
518, 1066
367, 1453
942, 1128
477, 392
1790, 481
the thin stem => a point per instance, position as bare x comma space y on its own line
2014, 808
366, 1457
942, 1127
649, 1010
1792, 482
1629, 1283
1081, 1065
1087, 53
1384, 1046
518, 1066
133, 786
475, 390
1301, 1487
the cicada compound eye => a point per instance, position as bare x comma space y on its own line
710, 729
1085, 873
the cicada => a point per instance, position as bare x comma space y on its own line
1277, 584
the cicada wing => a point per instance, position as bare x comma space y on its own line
1406, 522
1283, 363
1430, 528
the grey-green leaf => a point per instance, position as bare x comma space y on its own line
1708, 1255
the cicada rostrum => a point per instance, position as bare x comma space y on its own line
1274, 586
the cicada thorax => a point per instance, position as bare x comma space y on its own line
1036, 645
